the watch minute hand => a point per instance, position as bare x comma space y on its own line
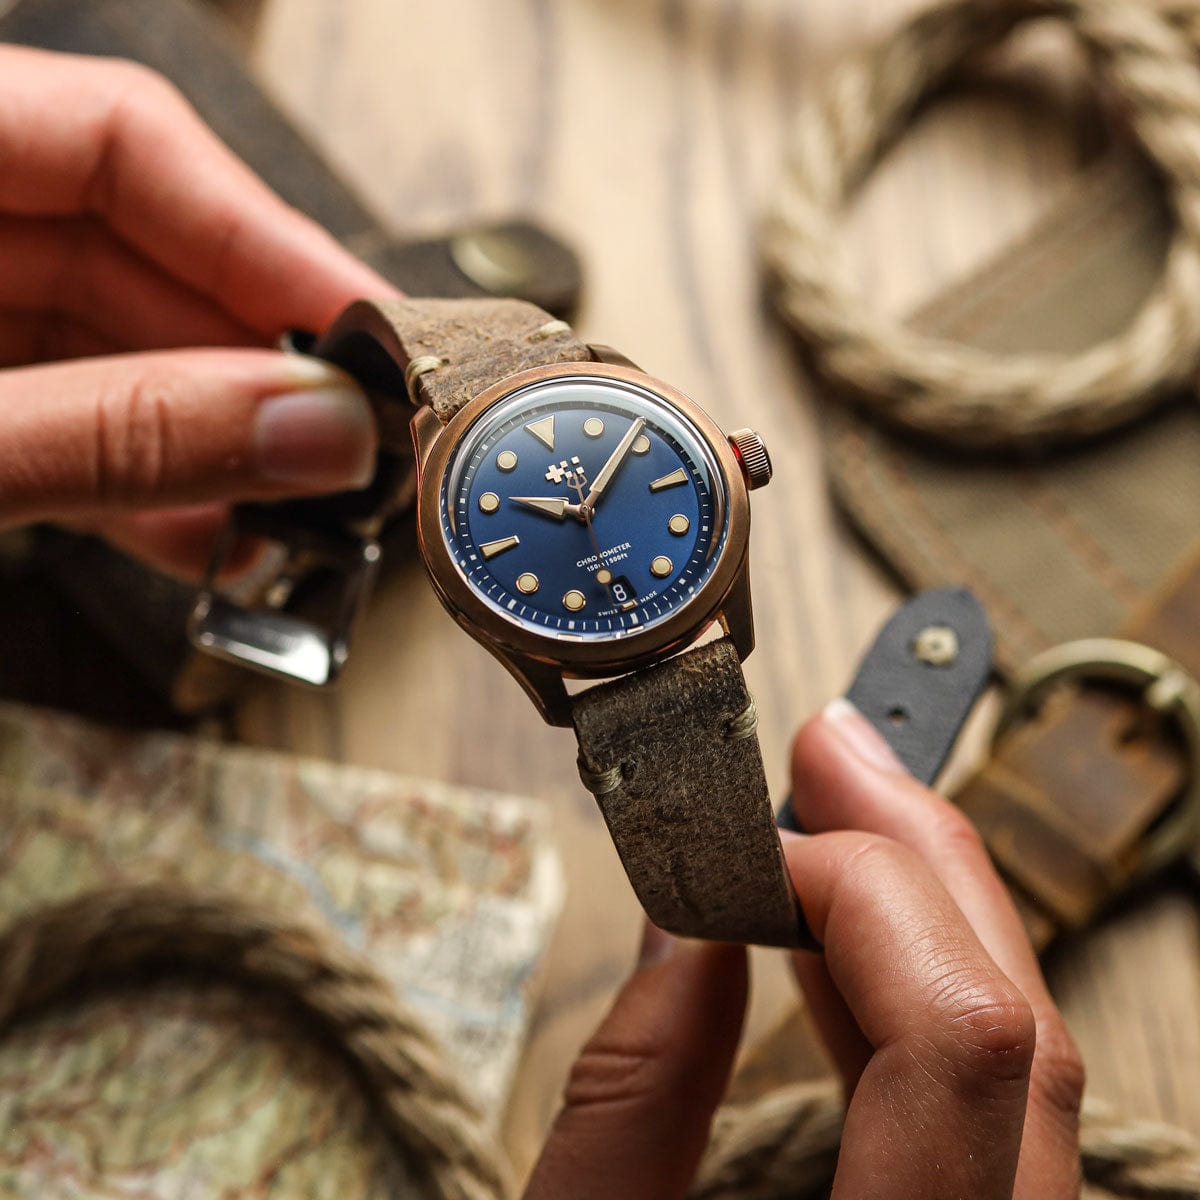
615, 459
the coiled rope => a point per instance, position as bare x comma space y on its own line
782, 1146
46, 955
1146, 52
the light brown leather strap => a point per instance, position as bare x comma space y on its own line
672, 758
443, 352
1066, 799
670, 752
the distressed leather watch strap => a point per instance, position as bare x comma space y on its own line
670, 752
671, 756
444, 352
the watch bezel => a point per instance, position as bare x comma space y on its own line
593, 658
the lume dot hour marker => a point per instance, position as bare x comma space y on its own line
604, 576
506, 460
661, 566
489, 502
491, 549
593, 427
679, 524
527, 583
573, 601
641, 444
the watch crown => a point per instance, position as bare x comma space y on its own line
752, 453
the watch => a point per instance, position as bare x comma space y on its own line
587, 524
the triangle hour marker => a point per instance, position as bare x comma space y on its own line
543, 430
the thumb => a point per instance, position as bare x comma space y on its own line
148, 430
641, 1096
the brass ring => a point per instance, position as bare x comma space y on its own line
1167, 688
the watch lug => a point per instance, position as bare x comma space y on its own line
426, 429
737, 616
543, 684
614, 358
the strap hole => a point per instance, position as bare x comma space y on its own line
898, 715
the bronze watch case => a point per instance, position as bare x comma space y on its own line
541, 662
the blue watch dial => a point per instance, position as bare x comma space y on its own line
584, 508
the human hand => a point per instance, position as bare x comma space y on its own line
961, 1078
127, 232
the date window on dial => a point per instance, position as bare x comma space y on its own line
623, 593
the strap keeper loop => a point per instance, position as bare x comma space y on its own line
601, 782
743, 725
421, 365
549, 330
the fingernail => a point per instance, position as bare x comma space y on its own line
320, 435
859, 736
657, 946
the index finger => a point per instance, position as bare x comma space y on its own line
939, 1109
86, 135
845, 776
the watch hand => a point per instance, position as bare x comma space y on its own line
587, 520
615, 459
549, 506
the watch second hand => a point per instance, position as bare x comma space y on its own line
585, 512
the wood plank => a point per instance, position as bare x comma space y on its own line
649, 132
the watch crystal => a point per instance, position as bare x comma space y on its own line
611, 512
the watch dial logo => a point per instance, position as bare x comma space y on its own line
572, 473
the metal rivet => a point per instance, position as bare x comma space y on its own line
936, 645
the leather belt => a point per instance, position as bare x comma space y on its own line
1089, 789
1100, 786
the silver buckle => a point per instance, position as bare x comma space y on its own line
263, 631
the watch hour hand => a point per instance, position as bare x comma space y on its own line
615, 459
549, 506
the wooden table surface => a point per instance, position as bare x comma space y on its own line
648, 132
